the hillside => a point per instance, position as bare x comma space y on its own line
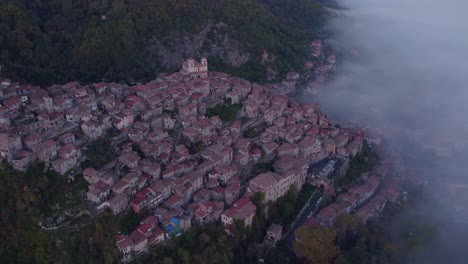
57, 41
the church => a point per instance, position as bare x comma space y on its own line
195, 69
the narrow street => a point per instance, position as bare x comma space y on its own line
309, 208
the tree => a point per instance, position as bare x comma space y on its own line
183, 255
341, 259
137, 149
359, 253
167, 260
291, 195
257, 199
344, 225
203, 239
316, 245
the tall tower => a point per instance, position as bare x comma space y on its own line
191, 63
204, 68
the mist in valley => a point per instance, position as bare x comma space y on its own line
409, 77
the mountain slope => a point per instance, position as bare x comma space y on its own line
62, 40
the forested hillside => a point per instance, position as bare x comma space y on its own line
47, 41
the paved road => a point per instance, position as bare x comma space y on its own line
309, 208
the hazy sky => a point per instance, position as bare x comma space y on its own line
411, 79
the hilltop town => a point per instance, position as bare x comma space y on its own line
186, 146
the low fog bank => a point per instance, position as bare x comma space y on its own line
410, 78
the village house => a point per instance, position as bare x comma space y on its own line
139, 238
342, 152
188, 111
124, 244
162, 187
372, 208
153, 169
108, 104
294, 168
294, 136
78, 114
272, 185
327, 215
373, 136
101, 87
93, 130
191, 182
126, 185
129, 159
391, 189
297, 113
135, 103
118, 90
63, 104
107, 178
201, 195
136, 135
69, 156
201, 86
329, 146
46, 151
9, 144
98, 192
269, 135
118, 203
288, 149
206, 212
22, 160
180, 154
168, 122
341, 140
173, 202
251, 109
67, 138
43, 103
225, 173
5, 121
188, 122
52, 120
273, 235
353, 148
91, 175
156, 102
13, 103
243, 210
212, 184
124, 119
216, 191
157, 135
191, 134
232, 191
145, 198
269, 148
309, 148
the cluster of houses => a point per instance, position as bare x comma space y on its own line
366, 199
41, 124
322, 67
207, 186
164, 118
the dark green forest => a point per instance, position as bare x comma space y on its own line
56, 41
